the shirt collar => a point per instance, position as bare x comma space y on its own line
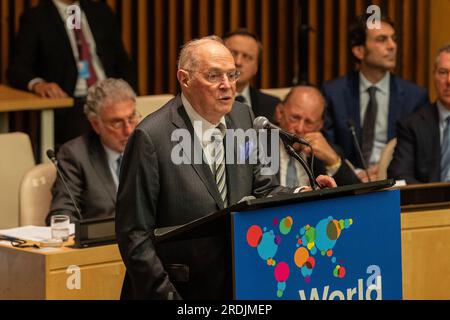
204, 132
443, 112
382, 85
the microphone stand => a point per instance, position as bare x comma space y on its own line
291, 151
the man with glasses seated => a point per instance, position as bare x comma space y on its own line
91, 163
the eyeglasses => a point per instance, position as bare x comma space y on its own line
218, 76
119, 124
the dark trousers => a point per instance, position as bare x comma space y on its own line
70, 122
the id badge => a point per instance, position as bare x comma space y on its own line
83, 69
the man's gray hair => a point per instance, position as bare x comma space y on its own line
187, 59
107, 92
446, 49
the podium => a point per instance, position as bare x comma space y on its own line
342, 243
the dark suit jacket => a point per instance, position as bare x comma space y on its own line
85, 167
263, 104
43, 47
154, 192
417, 156
342, 96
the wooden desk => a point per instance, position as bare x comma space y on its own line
32, 274
17, 100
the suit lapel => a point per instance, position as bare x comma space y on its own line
99, 162
181, 120
396, 95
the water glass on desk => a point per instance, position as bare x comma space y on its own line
60, 227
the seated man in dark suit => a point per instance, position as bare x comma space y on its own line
91, 162
373, 98
422, 153
247, 51
54, 61
162, 184
302, 113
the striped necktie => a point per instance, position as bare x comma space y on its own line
219, 163
445, 152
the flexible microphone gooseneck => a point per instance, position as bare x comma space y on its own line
351, 126
52, 157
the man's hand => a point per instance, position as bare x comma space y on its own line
322, 149
373, 174
49, 90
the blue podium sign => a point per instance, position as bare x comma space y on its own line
346, 248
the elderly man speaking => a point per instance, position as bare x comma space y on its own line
155, 191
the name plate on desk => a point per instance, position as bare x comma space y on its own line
94, 232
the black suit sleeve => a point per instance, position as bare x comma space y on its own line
23, 68
136, 218
73, 174
403, 164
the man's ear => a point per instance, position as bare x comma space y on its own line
183, 78
359, 52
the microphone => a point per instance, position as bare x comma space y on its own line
351, 126
261, 123
52, 157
